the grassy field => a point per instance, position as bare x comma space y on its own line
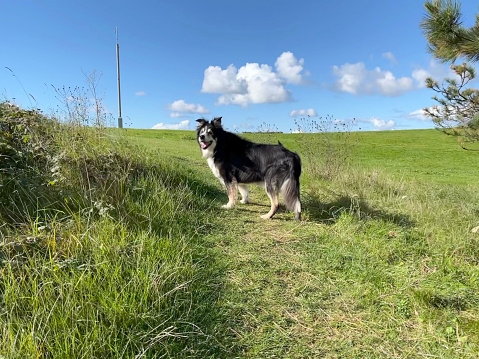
147, 265
417, 155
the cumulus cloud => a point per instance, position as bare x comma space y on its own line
436, 110
183, 125
183, 107
289, 68
262, 86
435, 70
217, 80
380, 125
419, 115
390, 56
244, 126
420, 75
358, 80
390, 86
311, 112
254, 83
140, 93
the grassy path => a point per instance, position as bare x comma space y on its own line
379, 268
355, 287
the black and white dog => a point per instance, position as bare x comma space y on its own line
237, 162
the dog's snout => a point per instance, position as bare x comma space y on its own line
202, 137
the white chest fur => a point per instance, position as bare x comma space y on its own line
208, 153
214, 169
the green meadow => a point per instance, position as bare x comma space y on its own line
113, 244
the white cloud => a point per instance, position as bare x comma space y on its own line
246, 125
262, 86
380, 125
390, 56
140, 93
419, 115
182, 106
311, 112
254, 83
289, 68
217, 80
351, 77
176, 114
420, 75
390, 86
358, 80
183, 125
243, 126
436, 110
435, 70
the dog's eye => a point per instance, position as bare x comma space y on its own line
210, 132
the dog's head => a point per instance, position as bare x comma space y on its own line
207, 135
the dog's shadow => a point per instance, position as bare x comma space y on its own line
252, 207
329, 213
258, 209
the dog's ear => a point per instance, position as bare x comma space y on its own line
217, 122
201, 122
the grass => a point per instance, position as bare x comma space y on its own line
424, 155
384, 265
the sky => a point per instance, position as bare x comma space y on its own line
259, 64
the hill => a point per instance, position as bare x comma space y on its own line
114, 245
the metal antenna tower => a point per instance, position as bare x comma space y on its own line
120, 120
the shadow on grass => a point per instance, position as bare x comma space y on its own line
259, 209
329, 213
449, 298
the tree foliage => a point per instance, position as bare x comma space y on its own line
448, 39
458, 109
457, 112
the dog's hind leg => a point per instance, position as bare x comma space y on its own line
273, 196
297, 210
232, 190
244, 190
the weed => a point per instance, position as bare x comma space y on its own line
267, 128
328, 152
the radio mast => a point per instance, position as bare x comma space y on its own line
120, 120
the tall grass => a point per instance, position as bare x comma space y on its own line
102, 251
326, 145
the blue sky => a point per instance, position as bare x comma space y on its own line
252, 62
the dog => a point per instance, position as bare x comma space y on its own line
237, 163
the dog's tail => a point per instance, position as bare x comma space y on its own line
290, 188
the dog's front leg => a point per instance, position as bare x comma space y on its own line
244, 190
232, 190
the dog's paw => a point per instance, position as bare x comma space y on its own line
266, 216
244, 201
227, 206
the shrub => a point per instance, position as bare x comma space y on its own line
27, 155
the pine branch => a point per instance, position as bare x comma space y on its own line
447, 38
